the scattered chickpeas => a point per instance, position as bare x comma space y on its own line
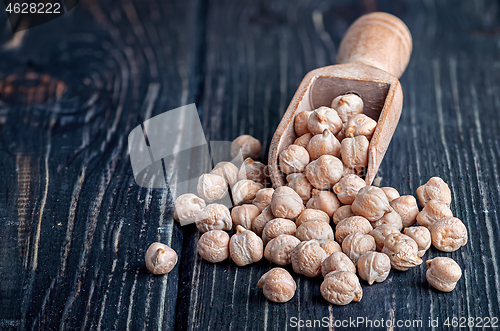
261, 220
448, 234
324, 118
249, 146
213, 246
354, 152
279, 249
300, 123
341, 288
324, 172
406, 207
350, 225
356, 244
299, 183
422, 237
391, 217
337, 261
245, 247
276, 227
303, 140
341, 213
187, 206
347, 105
277, 285
360, 125
435, 189
374, 267
443, 273
286, 203
263, 198
212, 187
347, 188
325, 201
381, 232
312, 214
371, 203
160, 259
330, 246
293, 159
214, 217
402, 251
433, 211
244, 191
323, 144
226, 170
244, 215
391, 193
307, 258
314, 229
253, 170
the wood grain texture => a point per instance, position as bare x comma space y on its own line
74, 226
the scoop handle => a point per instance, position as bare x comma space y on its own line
378, 39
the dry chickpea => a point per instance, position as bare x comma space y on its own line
279, 249
347, 105
356, 244
226, 170
435, 189
323, 144
300, 122
213, 246
299, 183
448, 234
354, 152
253, 170
276, 227
350, 225
263, 198
249, 146
324, 118
337, 261
330, 246
160, 259
307, 257
293, 159
314, 229
277, 285
406, 207
433, 211
341, 288
382, 231
324, 172
374, 267
341, 213
422, 237
402, 251
325, 201
286, 203
391, 193
187, 206
391, 217
213, 217
360, 125
244, 215
245, 247
371, 203
347, 188
312, 214
244, 191
443, 273
303, 140
260, 221
212, 187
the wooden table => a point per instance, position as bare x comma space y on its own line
74, 226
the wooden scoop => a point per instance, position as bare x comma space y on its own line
372, 56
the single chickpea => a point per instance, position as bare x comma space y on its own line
253, 170
347, 105
213, 246
341, 213
356, 244
391, 217
286, 203
341, 288
293, 159
402, 251
381, 232
354, 152
160, 259
278, 250
324, 172
347, 188
422, 237
350, 225
214, 217
307, 257
244, 191
325, 201
212, 187
433, 211
263, 198
249, 146
324, 118
312, 214
244, 215
435, 189
391, 193
261, 220
245, 247
314, 229
443, 273
406, 207
300, 122
226, 170
303, 140
360, 125
277, 285
299, 183
330, 246
374, 267
323, 144
276, 227
448, 234
371, 203
337, 261
187, 206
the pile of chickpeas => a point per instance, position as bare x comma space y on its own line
375, 229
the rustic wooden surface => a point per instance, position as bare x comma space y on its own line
74, 226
